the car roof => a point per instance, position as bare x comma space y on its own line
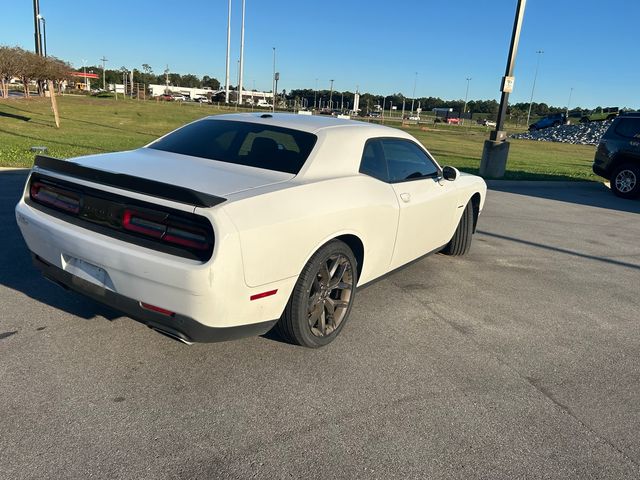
307, 123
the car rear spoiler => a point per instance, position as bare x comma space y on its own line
128, 182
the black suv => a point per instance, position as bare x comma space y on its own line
618, 155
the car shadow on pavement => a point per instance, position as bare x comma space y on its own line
18, 273
593, 194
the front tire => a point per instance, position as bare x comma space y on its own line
625, 180
461, 241
321, 301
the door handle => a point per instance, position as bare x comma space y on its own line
406, 197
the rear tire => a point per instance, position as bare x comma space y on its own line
461, 241
625, 180
321, 301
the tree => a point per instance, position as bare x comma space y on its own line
209, 82
9, 67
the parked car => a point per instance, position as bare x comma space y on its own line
201, 98
618, 155
608, 113
552, 120
488, 123
178, 97
235, 223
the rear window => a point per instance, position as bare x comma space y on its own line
629, 127
242, 143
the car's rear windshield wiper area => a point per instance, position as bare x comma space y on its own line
242, 143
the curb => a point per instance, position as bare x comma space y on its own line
534, 183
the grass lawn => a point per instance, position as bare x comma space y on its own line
93, 125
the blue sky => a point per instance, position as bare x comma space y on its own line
589, 45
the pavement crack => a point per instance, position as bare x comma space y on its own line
7, 334
532, 382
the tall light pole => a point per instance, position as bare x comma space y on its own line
104, 83
241, 55
533, 87
36, 24
331, 95
315, 94
273, 79
415, 79
44, 32
84, 71
466, 96
569, 102
226, 89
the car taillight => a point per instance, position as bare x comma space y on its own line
55, 197
166, 229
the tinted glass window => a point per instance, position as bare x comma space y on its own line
406, 161
373, 163
243, 143
629, 127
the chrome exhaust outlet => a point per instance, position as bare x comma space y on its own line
172, 335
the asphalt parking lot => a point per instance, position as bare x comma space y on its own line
521, 360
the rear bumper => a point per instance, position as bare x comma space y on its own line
178, 326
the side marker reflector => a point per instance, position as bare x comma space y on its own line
258, 296
153, 308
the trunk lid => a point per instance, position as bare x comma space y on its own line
199, 174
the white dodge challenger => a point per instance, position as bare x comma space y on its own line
234, 224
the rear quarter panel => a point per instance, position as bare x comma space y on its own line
280, 230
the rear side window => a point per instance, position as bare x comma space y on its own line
629, 127
242, 143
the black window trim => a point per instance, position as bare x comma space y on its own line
434, 175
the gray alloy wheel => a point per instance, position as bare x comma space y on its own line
625, 181
329, 295
322, 298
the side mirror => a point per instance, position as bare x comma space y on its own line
450, 173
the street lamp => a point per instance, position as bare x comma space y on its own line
84, 71
44, 32
569, 102
466, 96
36, 25
533, 87
331, 95
227, 77
415, 79
273, 89
315, 95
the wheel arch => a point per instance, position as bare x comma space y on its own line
352, 240
475, 203
622, 158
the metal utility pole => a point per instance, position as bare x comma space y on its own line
36, 24
331, 95
496, 149
226, 94
466, 96
315, 94
569, 102
104, 82
84, 71
535, 76
44, 32
413, 97
241, 55
273, 86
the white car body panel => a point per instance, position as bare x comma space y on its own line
267, 229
